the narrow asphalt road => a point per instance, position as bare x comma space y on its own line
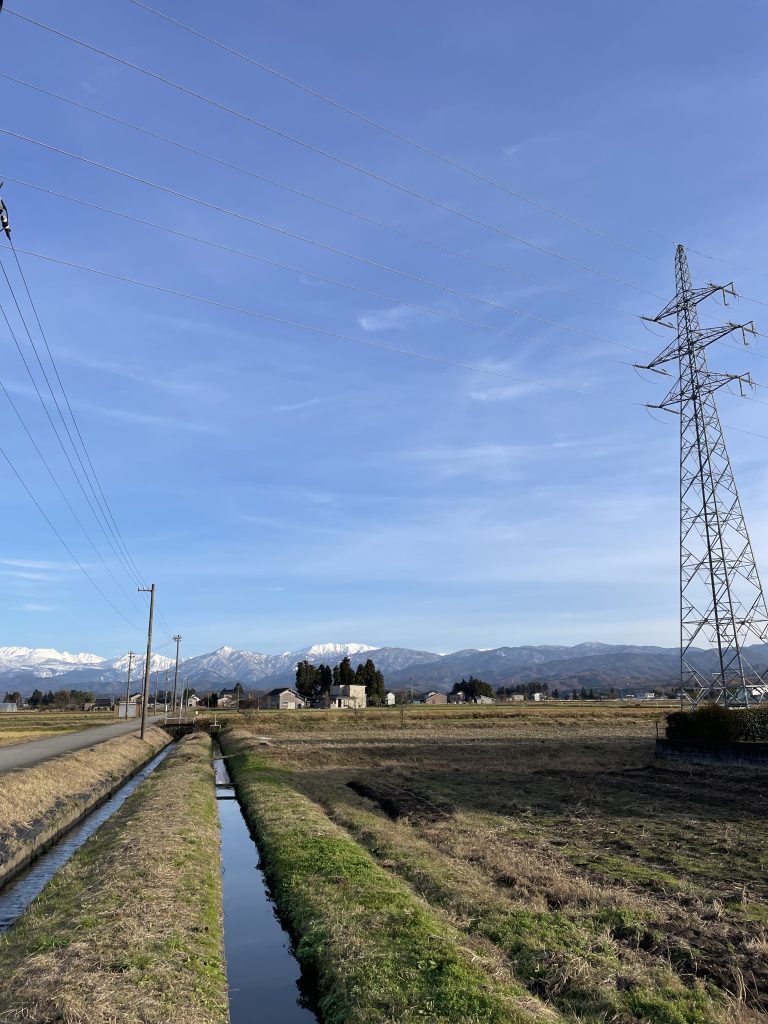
24, 755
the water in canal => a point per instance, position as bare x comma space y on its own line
263, 974
16, 896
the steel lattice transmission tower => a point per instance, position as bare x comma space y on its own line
722, 605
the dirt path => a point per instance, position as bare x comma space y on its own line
24, 755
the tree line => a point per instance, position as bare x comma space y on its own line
314, 682
53, 698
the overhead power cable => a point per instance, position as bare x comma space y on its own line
52, 475
298, 270
366, 119
94, 508
297, 237
436, 360
318, 150
364, 218
439, 247
101, 497
368, 343
66, 546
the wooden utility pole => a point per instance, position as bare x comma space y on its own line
145, 687
128, 684
177, 638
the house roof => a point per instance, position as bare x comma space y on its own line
282, 689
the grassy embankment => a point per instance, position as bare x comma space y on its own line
42, 798
130, 929
587, 878
20, 726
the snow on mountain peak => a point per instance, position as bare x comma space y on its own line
35, 657
335, 650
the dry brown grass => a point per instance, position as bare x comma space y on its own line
36, 798
130, 930
612, 884
19, 726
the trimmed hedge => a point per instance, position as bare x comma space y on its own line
712, 723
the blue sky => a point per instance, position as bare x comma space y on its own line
282, 486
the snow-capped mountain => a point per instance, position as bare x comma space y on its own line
331, 651
158, 663
44, 661
590, 664
223, 667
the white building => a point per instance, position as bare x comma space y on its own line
389, 699
348, 696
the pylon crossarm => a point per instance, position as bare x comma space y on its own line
693, 296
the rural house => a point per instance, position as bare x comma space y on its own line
282, 698
434, 697
389, 699
350, 695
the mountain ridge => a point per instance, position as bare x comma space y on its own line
588, 664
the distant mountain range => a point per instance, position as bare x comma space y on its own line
587, 664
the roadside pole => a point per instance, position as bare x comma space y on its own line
177, 638
145, 687
128, 684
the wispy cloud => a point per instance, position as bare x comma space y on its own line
297, 406
395, 318
150, 419
24, 574
37, 608
29, 563
504, 393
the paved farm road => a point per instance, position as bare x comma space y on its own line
23, 755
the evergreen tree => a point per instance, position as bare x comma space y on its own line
36, 699
473, 688
306, 677
373, 681
346, 673
556, 695
325, 681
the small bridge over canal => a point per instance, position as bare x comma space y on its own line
179, 727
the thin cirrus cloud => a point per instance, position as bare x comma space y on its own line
396, 317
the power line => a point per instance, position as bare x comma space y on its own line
97, 517
51, 474
448, 161
297, 237
105, 507
339, 209
343, 337
203, 154
320, 330
436, 203
297, 270
69, 550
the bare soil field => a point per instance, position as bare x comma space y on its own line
611, 887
